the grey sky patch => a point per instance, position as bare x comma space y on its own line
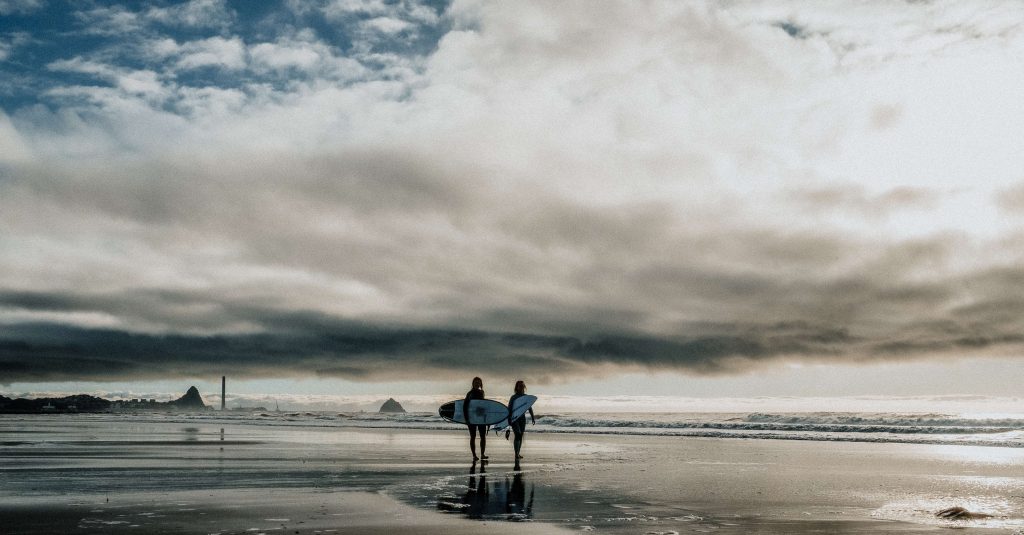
854, 198
885, 116
1011, 200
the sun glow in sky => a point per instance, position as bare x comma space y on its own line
640, 198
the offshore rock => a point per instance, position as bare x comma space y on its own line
391, 406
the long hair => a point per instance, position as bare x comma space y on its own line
520, 387
478, 381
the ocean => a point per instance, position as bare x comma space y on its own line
1006, 430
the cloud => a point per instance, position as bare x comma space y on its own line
304, 53
358, 352
133, 82
212, 52
339, 8
117, 20
195, 14
539, 187
386, 25
1011, 199
110, 21
417, 12
854, 198
19, 7
12, 147
311, 343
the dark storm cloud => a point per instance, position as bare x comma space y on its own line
303, 343
41, 352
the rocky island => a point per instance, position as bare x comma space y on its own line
391, 406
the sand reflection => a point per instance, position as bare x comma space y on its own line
495, 497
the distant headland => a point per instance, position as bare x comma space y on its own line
191, 401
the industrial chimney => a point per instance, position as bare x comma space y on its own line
223, 390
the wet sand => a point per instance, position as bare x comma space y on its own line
123, 474
248, 511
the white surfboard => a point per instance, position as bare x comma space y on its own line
519, 408
481, 412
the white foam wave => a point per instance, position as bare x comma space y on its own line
853, 427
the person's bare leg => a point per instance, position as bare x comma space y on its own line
483, 443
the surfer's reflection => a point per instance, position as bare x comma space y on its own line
517, 504
499, 500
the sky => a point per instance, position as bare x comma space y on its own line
629, 198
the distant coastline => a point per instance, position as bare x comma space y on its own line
85, 403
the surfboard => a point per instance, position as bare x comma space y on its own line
519, 408
481, 412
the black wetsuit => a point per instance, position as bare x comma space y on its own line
473, 394
519, 424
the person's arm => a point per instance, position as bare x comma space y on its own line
465, 408
510, 400
532, 419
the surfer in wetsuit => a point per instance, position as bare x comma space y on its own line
518, 426
476, 393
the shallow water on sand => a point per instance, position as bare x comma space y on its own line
62, 465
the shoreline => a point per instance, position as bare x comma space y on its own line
608, 483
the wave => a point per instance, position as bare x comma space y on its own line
823, 426
807, 422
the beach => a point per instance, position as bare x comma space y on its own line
142, 473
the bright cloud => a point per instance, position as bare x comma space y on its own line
213, 52
195, 14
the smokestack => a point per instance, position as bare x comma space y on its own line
223, 390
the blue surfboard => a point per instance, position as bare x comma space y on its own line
519, 408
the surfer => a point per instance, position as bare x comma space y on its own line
476, 393
518, 426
